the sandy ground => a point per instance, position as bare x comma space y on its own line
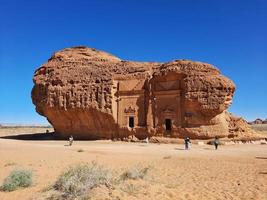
232, 172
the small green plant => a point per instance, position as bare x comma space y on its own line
16, 179
136, 172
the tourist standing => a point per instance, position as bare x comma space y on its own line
216, 142
70, 140
187, 143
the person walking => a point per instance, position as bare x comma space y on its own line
187, 143
70, 140
216, 142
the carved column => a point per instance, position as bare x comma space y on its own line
118, 100
149, 119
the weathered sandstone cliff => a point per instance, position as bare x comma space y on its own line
76, 90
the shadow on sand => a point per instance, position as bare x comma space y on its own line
181, 149
208, 148
143, 145
32, 136
259, 157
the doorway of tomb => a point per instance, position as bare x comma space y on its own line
168, 124
131, 122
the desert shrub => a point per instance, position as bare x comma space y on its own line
79, 180
80, 150
17, 178
130, 189
136, 172
10, 164
166, 157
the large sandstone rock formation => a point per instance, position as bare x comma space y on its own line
92, 94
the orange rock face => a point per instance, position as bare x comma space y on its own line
92, 94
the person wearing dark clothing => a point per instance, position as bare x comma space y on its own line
187, 143
216, 142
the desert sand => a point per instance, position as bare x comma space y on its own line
232, 172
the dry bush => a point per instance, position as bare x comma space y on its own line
136, 172
166, 157
10, 164
130, 189
77, 182
81, 181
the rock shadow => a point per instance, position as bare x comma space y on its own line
32, 136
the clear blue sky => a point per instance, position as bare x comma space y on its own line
231, 34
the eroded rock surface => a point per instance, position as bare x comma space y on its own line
92, 94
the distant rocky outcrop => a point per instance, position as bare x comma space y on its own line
258, 121
79, 91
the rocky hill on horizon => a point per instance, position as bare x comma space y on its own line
258, 121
